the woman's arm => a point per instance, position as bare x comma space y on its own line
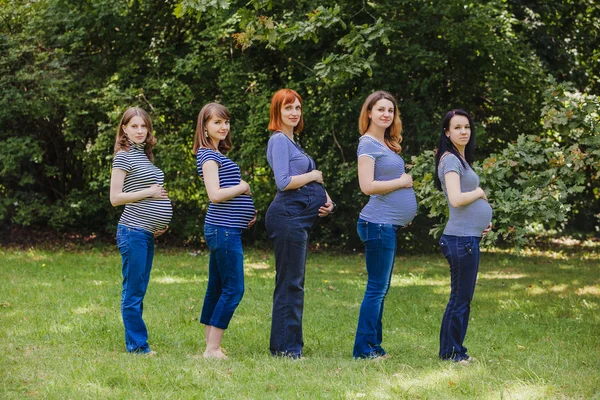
368, 184
455, 196
298, 181
216, 194
118, 197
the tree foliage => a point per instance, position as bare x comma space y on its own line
70, 68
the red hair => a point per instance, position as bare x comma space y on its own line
280, 99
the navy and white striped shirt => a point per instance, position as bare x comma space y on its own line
233, 213
150, 214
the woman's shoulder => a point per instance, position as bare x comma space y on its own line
121, 155
449, 157
277, 136
205, 154
205, 151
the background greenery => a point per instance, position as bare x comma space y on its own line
528, 71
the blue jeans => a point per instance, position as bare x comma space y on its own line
462, 253
380, 253
225, 275
137, 251
289, 220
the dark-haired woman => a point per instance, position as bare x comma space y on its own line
392, 205
470, 217
230, 211
300, 200
138, 184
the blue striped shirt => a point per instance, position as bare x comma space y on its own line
398, 207
233, 213
150, 214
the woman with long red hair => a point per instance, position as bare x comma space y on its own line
300, 200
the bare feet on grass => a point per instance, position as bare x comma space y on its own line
218, 353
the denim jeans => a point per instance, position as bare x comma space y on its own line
380, 253
462, 253
289, 220
137, 251
225, 275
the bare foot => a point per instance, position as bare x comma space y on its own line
215, 354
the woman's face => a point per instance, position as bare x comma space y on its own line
290, 114
459, 131
136, 130
382, 113
217, 129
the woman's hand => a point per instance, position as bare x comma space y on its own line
406, 181
157, 192
486, 230
253, 221
326, 209
246, 187
317, 176
482, 193
161, 231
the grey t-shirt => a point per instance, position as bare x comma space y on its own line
469, 220
398, 207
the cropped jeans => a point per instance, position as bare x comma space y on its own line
380, 253
462, 253
225, 287
289, 220
137, 251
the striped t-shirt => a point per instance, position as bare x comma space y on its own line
233, 213
150, 214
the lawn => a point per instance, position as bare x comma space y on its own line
535, 330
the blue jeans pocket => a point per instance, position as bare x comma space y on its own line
211, 236
297, 204
444, 248
368, 230
122, 237
469, 248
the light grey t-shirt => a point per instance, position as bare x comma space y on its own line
469, 220
398, 207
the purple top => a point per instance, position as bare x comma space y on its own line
286, 159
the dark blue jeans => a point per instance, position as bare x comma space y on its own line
289, 220
462, 253
380, 253
225, 275
137, 251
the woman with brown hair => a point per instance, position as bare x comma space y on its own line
230, 211
138, 184
392, 205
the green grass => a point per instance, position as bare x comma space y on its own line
535, 329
